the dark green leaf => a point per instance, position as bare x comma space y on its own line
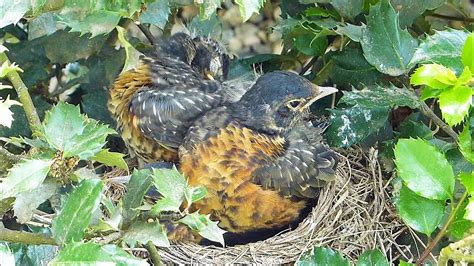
137, 187
381, 96
468, 52
76, 214
204, 226
348, 8
409, 10
322, 256
354, 32
309, 45
33, 254
455, 103
372, 258
351, 125
111, 159
422, 214
386, 46
424, 169
92, 254
443, 47
28, 201
156, 13
24, 176
465, 144
143, 232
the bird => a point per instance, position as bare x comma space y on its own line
155, 103
260, 158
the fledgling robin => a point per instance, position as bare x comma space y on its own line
155, 104
259, 160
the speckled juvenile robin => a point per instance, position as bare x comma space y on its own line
259, 159
155, 103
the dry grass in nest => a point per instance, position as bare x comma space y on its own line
353, 214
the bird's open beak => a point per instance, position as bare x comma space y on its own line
320, 92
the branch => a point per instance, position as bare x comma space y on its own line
23, 95
154, 255
446, 17
7, 159
425, 109
147, 33
25, 237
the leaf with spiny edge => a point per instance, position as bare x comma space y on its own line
204, 226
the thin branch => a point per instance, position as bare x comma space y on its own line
23, 95
147, 33
447, 17
154, 255
425, 109
110, 238
25, 237
308, 65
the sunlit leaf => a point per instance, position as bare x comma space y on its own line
433, 75
204, 226
455, 103
13, 11
156, 13
143, 232
6, 115
28, 201
465, 144
372, 258
248, 7
322, 256
468, 52
381, 96
132, 55
111, 159
171, 185
469, 215
6, 255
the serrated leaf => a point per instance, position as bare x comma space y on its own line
455, 103
6, 255
76, 214
381, 96
114, 213
92, 254
156, 13
465, 144
322, 256
424, 169
143, 232
27, 202
433, 75
204, 226
422, 214
13, 11
24, 176
469, 215
460, 227
208, 8
171, 185
468, 52
354, 32
467, 179
137, 187
351, 125
386, 46
6, 115
82, 174
409, 10
443, 47
308, 44
7, 67
131, 54
248, 7
111, 159
351, 68
94, 22
198, 193
44, 24
348, 9
372, 257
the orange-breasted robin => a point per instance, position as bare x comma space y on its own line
155, 103
259, 160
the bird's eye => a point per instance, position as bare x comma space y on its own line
294, 104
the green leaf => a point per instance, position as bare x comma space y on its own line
208, 8
143, 232
465, 144
434, 75
322, 256
28, 201
309, 45
13, 11
93, 254
198, 193
132, 55
469, 215
156, 13
455, 103
468, 52
95, 22
381, 96
467, 179
460, 227
248, 7
204, 226
24, 176
443, 47
386, 46
422, 214
75, 216
351, 125
404, 263
111, 159
348, 8
372, 257
424, 169
409, 10
137, 187
354, 32
6, 255
7, 67
44, 24
171, 185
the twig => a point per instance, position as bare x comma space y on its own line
441, 232
308, 65
447, 17
154, 255
25, 237
425, 109
110, 238
147, 33
23, 95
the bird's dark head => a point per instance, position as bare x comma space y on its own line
211, 59
279, 99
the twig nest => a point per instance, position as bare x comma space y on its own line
353, 214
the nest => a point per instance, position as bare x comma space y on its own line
354, 213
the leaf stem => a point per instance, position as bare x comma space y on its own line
432, 244
425, 109
25, 237
154, 255
23, 95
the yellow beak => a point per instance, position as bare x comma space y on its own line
319, 92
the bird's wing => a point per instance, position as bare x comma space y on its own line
302, 168
175, 96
